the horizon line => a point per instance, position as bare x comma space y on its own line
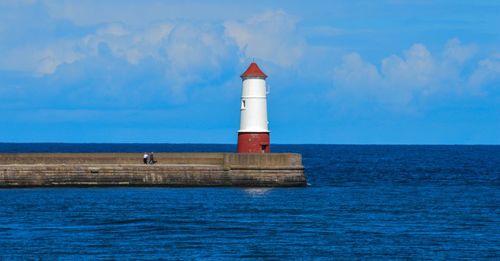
294, 144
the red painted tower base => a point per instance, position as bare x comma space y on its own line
253, 142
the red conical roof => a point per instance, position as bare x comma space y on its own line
253, 71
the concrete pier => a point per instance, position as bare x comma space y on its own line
171, 170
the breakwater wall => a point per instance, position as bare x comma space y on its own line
171, 169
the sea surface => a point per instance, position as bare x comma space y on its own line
363, 202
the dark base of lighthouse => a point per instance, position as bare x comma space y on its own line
253, 142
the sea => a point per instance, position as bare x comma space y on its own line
362, 202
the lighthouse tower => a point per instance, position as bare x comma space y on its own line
253, 136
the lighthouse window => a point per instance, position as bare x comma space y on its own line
243, 105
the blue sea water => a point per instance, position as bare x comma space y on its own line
363, 202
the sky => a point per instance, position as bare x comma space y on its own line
340, 72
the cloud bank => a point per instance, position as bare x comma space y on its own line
174, 57
401, 80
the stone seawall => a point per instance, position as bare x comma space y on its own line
172, 169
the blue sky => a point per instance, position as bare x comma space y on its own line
355, 72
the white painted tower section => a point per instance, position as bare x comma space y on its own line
253, 117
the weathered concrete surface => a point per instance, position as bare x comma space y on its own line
172, 169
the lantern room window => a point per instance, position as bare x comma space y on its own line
243, 104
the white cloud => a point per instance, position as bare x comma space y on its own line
48, 59
114, 29
352, 67
417, 73
271, 36
42, 60
188, 51
457, 52
199, 46
416, 69
487, 72
183, 54
196, 53
132, 45
129, 44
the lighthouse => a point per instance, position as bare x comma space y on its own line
253, 135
